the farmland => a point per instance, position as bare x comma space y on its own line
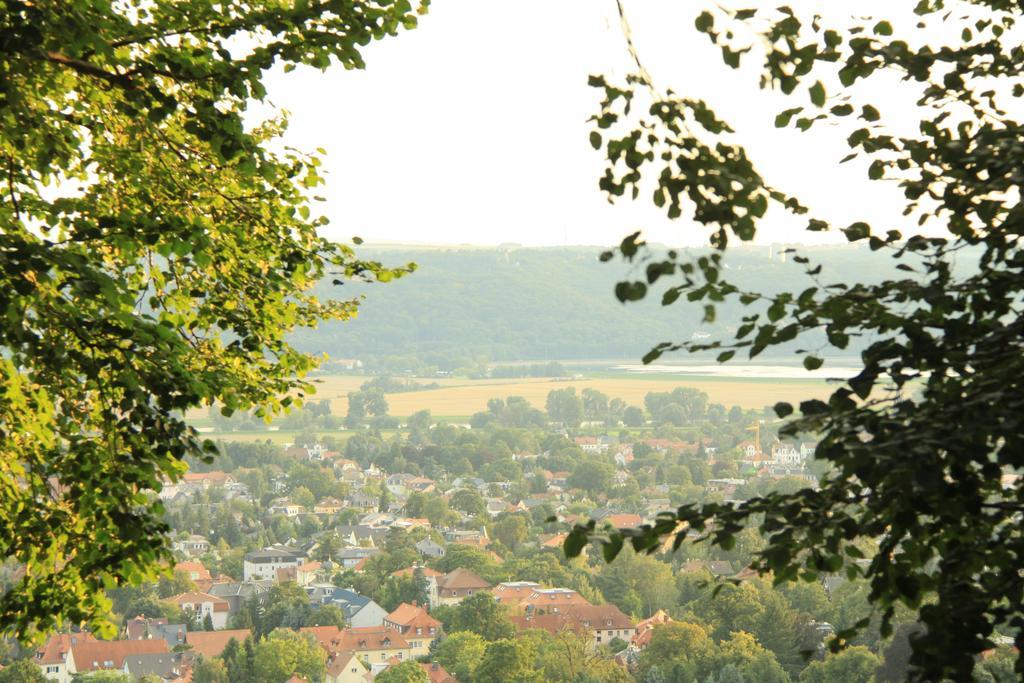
463, 397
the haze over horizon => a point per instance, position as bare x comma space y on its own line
427, 146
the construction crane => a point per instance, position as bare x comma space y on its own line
756, 428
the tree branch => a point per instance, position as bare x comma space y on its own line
83, 67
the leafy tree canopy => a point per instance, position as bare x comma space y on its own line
918, 441
286, 652
154, 253
22, 671
460, 653
856, 664
480, 613
406, 672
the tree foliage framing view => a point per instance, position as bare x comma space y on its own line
155, 250
920, 440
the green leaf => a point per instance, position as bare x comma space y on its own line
651, 356
857, 231
813, 407
817, 93
611, 548
574, 542
784, 117
704, 22
783, 409
595, 140
812, 362
630, 291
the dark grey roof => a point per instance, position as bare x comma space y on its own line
350, 602
174, 634
163, 664
268, 555
362, 531
241, 589
356, 553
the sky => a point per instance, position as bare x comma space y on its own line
472, 128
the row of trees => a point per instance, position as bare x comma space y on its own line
682, 407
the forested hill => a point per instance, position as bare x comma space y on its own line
508, 303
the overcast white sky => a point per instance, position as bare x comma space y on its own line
472, 128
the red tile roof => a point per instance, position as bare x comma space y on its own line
624, 521
656, 619
556, 541
553, 598
219, 604
436, 673
324, 635
577, 618
409, 571
461, 579
192, 566
215, 477
58, 645
413, 616
110, 654
335, 640
369, 638
514, 592
212, 643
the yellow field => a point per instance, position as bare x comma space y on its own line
465, 397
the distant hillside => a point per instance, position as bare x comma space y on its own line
507, 304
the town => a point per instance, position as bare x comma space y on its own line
437, 555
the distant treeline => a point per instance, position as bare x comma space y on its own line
551, 369
466, 307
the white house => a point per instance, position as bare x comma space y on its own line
192, 545
203, 605
263, 564
282, 506
786, 455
